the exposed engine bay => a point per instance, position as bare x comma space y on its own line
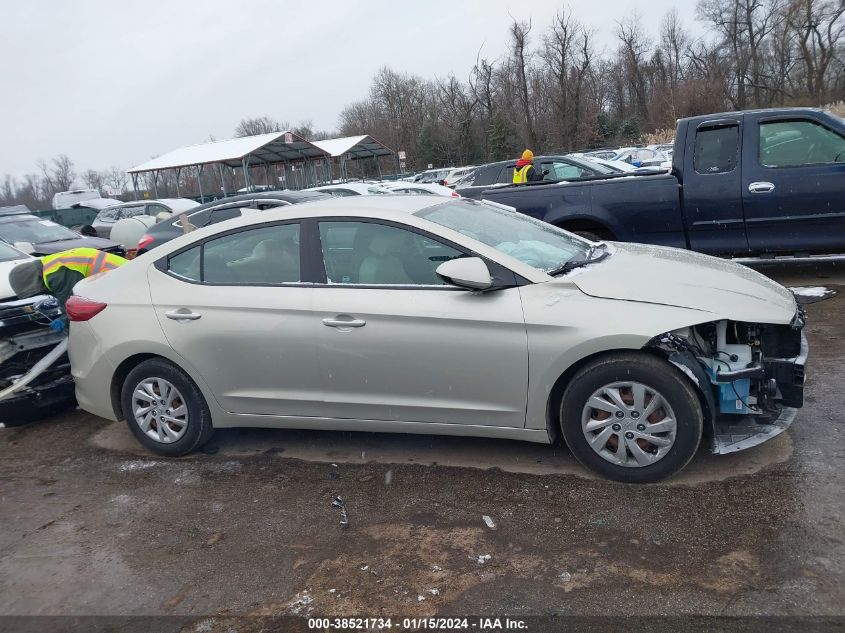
35, 373
750, 376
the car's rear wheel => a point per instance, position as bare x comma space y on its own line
631, 417
164, 408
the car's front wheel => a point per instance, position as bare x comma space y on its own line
631, 417
164, 408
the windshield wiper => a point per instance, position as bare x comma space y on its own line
597, 252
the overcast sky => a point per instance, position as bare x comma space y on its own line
116, 83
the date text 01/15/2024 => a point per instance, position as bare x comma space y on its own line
417, 624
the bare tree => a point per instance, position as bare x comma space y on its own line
117, 180
633, 48
58, 175
521, 60
257, 125
819, 30
94, 179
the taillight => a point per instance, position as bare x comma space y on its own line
145, 241
82, 309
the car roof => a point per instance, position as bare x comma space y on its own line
394, 206
286, 195
352, 186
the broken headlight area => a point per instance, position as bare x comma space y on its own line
750, 376
25, 340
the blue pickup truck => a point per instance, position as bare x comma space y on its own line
749, 183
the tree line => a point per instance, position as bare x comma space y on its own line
552, 90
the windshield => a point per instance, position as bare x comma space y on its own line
522, 237
35, 231
7, 253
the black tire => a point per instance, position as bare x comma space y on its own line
655, 373
199, 427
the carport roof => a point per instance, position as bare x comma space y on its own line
364, 146
262, 148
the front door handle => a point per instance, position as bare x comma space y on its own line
182, 315
342, 323
761, 187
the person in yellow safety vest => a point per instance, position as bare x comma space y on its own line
524, 171
57, 274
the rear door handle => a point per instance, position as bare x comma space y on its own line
342, 323
182, 315
761, 187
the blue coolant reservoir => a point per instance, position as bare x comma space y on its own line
733, 396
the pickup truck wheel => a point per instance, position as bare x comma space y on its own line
631, 417
164, 409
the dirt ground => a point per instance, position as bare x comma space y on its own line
94, 525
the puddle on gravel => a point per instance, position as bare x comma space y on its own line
511, 456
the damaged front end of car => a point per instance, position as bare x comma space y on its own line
750, 376
35, 375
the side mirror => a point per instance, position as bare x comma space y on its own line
25, 247
467, 272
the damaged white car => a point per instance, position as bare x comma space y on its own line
35, 375
415, 315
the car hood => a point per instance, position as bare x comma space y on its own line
675, 277
48, 248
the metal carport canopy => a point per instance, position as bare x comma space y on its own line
259, 149
364, 146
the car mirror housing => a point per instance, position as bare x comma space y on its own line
25, 247
467, 272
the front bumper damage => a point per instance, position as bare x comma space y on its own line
35, 373
731, 435
783, 378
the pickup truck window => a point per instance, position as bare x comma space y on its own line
796, 143
716, 150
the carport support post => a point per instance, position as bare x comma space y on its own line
245, 167
199, 182
178, 178
155, 183
135, 185
222, 179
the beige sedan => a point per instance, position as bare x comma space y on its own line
416, 314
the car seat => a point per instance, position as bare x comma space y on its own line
382, 266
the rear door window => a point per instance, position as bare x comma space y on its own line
266, 255
716, 149
506, 174
486, 176
131, 212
